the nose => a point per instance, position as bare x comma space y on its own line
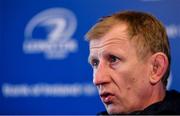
101, 75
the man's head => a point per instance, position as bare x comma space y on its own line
130, 55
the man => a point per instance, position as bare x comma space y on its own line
130, 56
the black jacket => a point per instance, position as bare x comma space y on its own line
170, 105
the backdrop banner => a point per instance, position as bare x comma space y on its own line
44, 56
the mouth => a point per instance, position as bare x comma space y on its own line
107, 97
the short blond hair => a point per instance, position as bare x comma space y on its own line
147, 31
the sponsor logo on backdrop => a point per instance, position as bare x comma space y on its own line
173, 31
50, 32
48, 90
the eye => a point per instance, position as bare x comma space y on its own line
94, 62
113, 59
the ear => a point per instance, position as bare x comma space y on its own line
159, 64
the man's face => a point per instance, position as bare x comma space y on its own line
121, 77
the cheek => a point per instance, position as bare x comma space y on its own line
130, 81
124, 79
129, 78
138, 80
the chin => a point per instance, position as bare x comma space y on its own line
111, 109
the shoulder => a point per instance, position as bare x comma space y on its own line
170, 104
172, 94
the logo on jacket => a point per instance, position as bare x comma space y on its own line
50, 32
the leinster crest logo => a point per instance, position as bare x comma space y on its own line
50, 32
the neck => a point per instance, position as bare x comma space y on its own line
157, 94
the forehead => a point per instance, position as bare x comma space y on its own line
117, 35
115, 42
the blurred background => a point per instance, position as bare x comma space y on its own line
43, 54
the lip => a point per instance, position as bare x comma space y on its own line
107, 97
